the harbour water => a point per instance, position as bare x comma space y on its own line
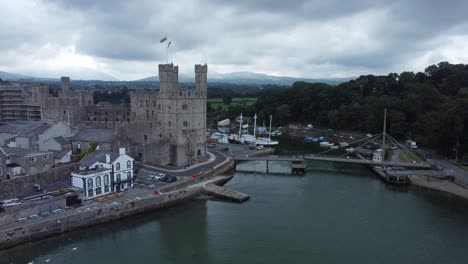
334, 214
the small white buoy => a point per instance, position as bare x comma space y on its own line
75, 248
47, 260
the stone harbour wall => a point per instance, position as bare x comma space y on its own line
25, 184
87, 216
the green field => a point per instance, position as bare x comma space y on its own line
409, 156
217, 102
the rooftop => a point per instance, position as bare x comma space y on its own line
20, 152
24, 127
98, 155
92, 171
98, 135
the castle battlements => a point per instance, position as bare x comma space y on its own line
201, 68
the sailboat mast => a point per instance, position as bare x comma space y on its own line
240, 125
269, 134
255, 124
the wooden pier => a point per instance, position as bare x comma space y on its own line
224, 193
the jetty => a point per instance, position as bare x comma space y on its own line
224, 193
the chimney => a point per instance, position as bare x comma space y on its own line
107, 158
121, 151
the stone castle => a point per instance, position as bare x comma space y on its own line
163, 127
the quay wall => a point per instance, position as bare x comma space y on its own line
87, 216
25, 184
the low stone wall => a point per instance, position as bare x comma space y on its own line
25, 184
84, 217
219, 169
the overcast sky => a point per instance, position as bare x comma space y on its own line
315, 38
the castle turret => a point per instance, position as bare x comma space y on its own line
168, 77
65, 84
201, 77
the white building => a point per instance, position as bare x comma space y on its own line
378, 155
104, 172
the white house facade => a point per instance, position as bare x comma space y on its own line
104, 172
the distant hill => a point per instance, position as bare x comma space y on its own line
12, 76
73, 73
252, 78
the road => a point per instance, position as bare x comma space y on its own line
446, 164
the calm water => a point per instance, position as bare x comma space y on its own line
334, 214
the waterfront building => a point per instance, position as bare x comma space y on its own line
104, 172
378, 155
21, 162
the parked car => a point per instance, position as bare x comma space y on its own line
152, 186
164, 178
22, 219
171, 179
259, 147
211, 145
159, 176
58, 211
252, 146
34, 216
428, 156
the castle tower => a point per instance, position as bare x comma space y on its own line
65, 85
201, 77
168, 78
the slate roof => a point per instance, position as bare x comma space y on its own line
61, 153
98, 135
21, 152
24, 127
98, 155
62, 141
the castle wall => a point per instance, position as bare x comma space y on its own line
166, 126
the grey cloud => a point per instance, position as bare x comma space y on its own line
248, 34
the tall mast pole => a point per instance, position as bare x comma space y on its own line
240, 125
255, 124
384, 134
269, 134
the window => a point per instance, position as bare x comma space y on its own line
184, 107
106, 183
185, 123
154, 103
129, 175
45, 157
146, 103
90, 187
117, 166
98, 190
129, 164
159, 106
145, 137
152, 112
199, 153
169, 123
118, 178
141, 103
98, 181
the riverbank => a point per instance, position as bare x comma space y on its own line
443, 185
100, 213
